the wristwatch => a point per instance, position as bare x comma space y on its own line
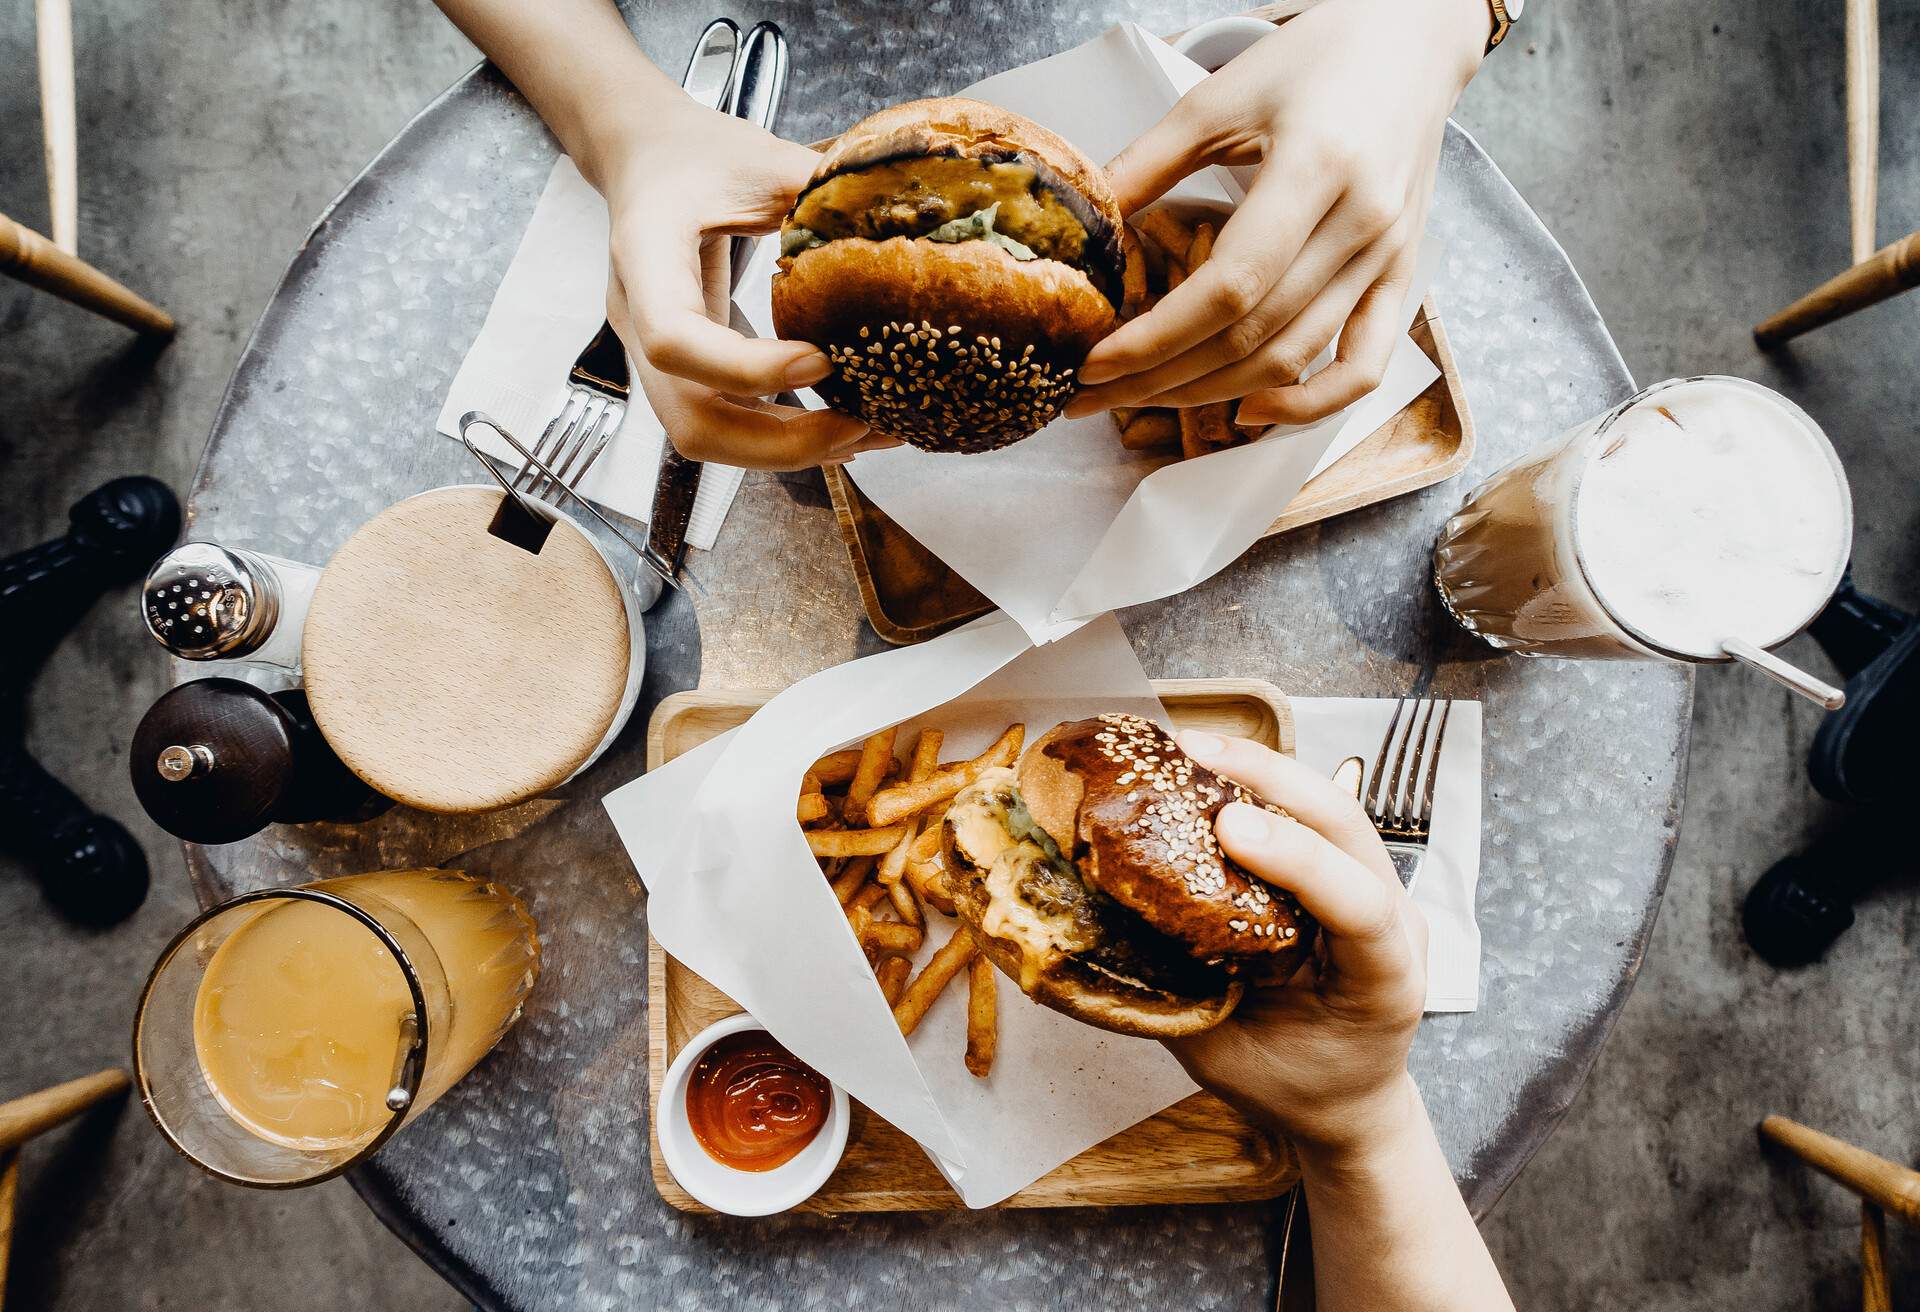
1505, 14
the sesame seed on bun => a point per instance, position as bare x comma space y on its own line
1092, 877
956, 262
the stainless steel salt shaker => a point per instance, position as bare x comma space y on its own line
206, 602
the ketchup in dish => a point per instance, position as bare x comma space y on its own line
752, 1104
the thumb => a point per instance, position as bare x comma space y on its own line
1160, 157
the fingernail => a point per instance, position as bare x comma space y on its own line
807, 370
1244, 826
1098, 372
1254, 417
1200, 746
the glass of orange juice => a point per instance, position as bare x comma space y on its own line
286, 1034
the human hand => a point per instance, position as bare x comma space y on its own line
1342, 109
1323, 1058
681, 183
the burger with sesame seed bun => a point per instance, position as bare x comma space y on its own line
1091, 876
956, 262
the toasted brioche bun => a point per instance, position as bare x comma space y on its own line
1004, 335
1143, 834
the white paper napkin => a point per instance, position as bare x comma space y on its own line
548, 307
1069, 523
1327, 730
735, 895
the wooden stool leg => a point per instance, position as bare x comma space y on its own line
25, 1117
1876, 1295
9, 1195
1886, 1184
53, 26
1891, 270
34, 260
1863, 121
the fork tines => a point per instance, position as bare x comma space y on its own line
1399, 800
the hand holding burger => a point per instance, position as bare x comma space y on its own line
1322, 1058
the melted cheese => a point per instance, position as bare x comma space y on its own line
1042, 939
912, 197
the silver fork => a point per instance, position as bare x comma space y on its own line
1399, 800
597, 389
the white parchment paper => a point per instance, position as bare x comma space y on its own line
1069, 523
735, 895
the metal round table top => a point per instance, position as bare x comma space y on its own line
528, 1184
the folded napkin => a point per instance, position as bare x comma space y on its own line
1326, 731
548, 308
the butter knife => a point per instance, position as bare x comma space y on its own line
756, 87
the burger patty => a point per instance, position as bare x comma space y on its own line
919, 196
1057, 912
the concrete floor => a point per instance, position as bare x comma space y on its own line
1689, 156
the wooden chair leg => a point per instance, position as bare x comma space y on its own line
23, 1118
1863, 122
1888, 1185
1876, 1295
1891, 270
9, 1195
34, 260
53, 28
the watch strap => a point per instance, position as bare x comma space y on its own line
1502, 23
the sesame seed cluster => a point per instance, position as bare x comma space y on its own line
945, 390
1182, 799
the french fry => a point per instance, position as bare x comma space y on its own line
869, 896
925, 848
905, 904
892, 974
926, 871
853, 842
903, 800
812, 807
933, 979
1176, 273
1201, 246
836, 767
852, 877
926, 753
1153, 257
1204, 428
1133, 276
1171, 235
810, 783
982, 1018
876, 755
1124, 415
1149, 429
888, 936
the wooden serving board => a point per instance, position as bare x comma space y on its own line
910, 595
1197, 1151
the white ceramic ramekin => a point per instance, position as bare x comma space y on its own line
724, 1189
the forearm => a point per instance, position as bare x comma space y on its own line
1390, 1230
575, 61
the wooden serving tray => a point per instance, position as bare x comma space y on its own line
1197, 1151
910, 595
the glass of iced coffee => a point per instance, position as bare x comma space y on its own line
1703, 519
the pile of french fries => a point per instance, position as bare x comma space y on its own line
875, 828
1161, 251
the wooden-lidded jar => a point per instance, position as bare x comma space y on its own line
455, 671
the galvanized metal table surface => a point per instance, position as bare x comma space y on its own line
528, 1184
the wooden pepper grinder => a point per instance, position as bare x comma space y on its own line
218, 760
